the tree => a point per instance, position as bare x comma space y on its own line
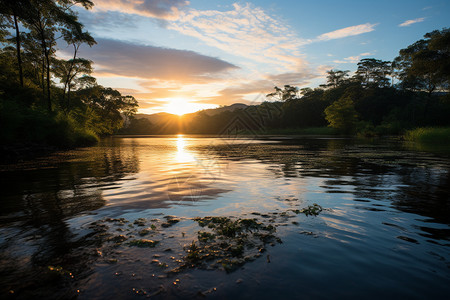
336, 78
106, 108
71, 72
288, 92
425, 65
12, 11
75, 66
373, 72
44, 18
342, 115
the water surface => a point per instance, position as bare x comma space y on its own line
384, 230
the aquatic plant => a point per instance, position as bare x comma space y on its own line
144, 243
311, 210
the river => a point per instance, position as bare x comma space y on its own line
71, 223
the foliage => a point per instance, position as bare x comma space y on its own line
336, 78
425, 64
373, 72
435, 135
284, 94
342, 115
34, 108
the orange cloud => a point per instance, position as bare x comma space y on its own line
162, 9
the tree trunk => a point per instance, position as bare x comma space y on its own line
19, 59
49, 100
46, 62
68, 98
70, 77
42, 76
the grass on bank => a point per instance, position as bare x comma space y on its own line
430, 135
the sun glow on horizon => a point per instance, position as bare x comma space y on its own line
181, 106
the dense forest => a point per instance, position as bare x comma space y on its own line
381, 98
44, 99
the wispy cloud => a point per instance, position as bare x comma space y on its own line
245, 31
162, 9
121, 58
353, 59
107, 20
410, 22
347, 31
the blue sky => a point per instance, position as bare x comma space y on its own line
181, 56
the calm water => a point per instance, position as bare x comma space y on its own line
384, 231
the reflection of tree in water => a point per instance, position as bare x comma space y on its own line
37, 202
411, 181
425, 191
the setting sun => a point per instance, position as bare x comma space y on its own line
181, 106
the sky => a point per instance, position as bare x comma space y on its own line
180, 56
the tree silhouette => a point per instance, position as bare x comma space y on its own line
288, 92
373, 72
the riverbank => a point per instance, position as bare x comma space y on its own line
429, 135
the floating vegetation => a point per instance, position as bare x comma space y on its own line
220, 242
311, 210
230, 243
145, 231
204, 236
118, 238
144, 243
170, 220
140, 222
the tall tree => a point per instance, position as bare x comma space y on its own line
373, 72
68, 71
425, 64
287, 93
75, 66
336, 78
14, 11
46, 18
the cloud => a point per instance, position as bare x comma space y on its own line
119, 58
107, 20
255, 90
410, 22
162, 9
347, 31
352, 59
292, 78
245, 31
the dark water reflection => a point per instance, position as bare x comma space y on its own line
385, 231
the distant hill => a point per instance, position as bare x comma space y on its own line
166, 118
156, 118
215, 111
